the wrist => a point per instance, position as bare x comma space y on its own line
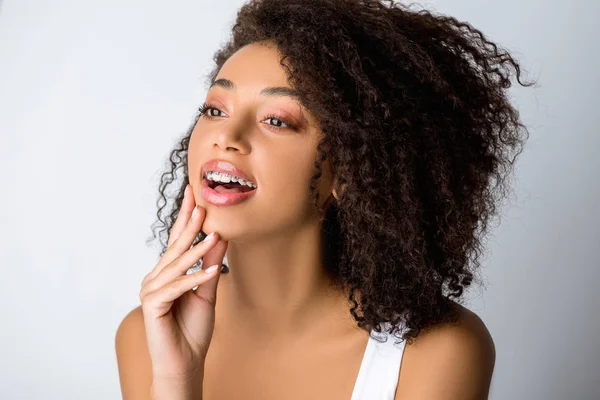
176, 388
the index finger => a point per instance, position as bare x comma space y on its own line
187, 206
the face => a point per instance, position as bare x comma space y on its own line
269, 136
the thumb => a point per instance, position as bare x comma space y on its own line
208, 290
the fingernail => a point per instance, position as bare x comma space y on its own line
207, 238
195, 213
211, 269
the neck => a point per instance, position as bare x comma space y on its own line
278, 285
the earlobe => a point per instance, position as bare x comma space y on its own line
334, 194
329, 200
334, 185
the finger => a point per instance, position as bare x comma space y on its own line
181, 245
215, 255
187, 206
180, 265
161, 299
188, 235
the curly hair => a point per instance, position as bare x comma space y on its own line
417, 125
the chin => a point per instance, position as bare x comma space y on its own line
227, 228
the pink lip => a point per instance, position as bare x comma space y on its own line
222, 199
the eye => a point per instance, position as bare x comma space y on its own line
280, 121
208, 111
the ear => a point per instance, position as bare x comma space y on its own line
330, 197
336, 186
328, 202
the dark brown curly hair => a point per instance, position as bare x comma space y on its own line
420, 133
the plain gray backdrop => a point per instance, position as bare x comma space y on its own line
94, 94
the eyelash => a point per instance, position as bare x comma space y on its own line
207, 106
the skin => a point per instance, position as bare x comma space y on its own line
274, 246
280, 330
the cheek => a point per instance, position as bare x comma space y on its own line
193, 165
195, 158
288, 182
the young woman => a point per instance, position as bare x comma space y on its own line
347, 160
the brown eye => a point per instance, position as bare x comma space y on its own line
279, 123
278, 120
213, 109
207, 109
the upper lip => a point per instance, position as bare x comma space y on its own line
226, 168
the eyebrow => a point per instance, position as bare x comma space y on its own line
270, 91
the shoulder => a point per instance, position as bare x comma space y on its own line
130, 330
133, 358
449, 361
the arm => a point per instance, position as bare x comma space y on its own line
135, 366
449, 362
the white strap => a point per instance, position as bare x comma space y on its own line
378, 375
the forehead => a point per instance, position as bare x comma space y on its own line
255, 72
255, 66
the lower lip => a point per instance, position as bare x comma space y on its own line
223, 199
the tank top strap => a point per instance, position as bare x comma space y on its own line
378, 374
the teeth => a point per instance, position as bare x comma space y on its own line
226, 178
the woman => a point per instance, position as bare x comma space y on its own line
347, 160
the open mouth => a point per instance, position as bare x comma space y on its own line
230, 187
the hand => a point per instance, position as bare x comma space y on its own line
179, 321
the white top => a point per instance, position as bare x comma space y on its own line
378, 375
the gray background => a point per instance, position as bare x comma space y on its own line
94, 94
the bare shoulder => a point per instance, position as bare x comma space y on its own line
449, 361
133, 359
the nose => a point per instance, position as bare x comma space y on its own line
232, 136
